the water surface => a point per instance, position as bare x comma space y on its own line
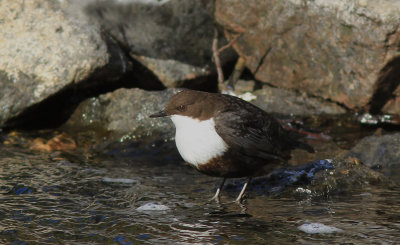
49, 199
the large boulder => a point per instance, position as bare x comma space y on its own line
330, 49
172, 38
45, 50
55, 54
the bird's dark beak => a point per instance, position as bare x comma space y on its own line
159, 114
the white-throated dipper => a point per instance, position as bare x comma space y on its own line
224, 136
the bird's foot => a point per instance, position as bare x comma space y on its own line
217, 193
215, 198
239, 201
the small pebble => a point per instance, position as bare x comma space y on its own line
318, 228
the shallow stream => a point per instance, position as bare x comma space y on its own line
156, 199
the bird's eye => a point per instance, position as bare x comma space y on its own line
181, 108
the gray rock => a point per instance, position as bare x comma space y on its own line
173, 73
378, 151
282, 101
172, 38
346, 177
329, 49
45, 50
125, 114
321, 178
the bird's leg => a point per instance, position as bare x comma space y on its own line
216, 196
241, 194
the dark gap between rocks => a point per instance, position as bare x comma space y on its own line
387, 82
57, 108
247, 75
123, 71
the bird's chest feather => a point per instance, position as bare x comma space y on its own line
197, 141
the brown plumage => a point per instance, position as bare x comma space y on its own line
225, 136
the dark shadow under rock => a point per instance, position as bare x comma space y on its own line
385, 88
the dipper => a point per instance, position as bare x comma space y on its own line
224, 136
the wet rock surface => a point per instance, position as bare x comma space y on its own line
125, 112
318, 178
347, 175
379, 152
334, 50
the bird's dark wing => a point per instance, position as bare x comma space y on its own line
252, 132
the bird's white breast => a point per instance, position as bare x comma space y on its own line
197, 141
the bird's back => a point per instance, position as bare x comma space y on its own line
251, 130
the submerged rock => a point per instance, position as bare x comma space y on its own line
318, 228
329, 49
152, 207
120, 180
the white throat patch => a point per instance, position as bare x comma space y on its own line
197, 141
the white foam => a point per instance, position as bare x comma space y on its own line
318, 228
302, 190
152, 206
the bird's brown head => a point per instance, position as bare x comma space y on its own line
191, 103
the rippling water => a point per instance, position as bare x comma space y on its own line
46, 199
